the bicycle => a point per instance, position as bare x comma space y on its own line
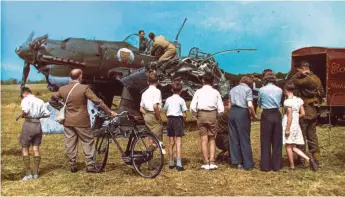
125, 126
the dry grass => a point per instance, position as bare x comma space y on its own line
120, 179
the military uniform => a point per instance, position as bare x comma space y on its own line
168, 49
309, 89
143, 45
222, 138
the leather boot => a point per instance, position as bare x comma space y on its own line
316, 157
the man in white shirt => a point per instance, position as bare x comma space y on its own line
32, 110
150, 106
207, 104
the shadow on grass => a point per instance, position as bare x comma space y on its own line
12, 151
17, 176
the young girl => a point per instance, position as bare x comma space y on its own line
292, 133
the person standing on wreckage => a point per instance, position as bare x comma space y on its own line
161, 43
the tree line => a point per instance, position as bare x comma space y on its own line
13, 81
229, 76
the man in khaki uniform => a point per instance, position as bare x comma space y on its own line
310, 90
161, 43
77, 121
222, 137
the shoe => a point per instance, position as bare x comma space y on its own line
240, 167
313, 164
171, 167
316, 157
179, 168
74, 169
205, 166
92, 170
27, 177
213, 166
302, 164
152, 166
290, 169
36, 176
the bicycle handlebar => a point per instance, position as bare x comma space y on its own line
121, 113
102, 114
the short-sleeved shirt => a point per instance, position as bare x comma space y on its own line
175, 105
150, 97
294, 103
240, 95
207, 99
270, 96
35, 107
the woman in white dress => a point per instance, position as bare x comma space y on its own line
292, 133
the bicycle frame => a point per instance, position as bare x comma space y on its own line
125, 153
132, 136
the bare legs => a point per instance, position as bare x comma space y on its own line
178, 150
205, 141
290, 149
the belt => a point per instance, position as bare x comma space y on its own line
271, 109
28, 118
312, 100
33, 119
207, 110
236, 106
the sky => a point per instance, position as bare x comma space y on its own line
275, 29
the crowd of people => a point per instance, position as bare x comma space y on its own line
221, 122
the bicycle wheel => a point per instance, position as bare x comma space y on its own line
101, 152
147, 160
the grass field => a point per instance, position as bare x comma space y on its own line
120, 179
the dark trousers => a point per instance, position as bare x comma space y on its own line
239, 134
271, 140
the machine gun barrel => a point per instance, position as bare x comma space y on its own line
180, 30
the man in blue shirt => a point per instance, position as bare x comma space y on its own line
269, 100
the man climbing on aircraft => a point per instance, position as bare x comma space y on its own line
162, 48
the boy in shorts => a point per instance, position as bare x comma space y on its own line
176, 108
33, 109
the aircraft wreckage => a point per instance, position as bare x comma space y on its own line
118, 68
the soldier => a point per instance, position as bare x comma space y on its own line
309, 88
143, 42
222, 138
160, 42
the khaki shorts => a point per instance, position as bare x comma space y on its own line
153, 125
207, 122
31, 133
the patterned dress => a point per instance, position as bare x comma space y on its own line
295, 136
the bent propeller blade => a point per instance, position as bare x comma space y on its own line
26, 70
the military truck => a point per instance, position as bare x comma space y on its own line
329, 65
